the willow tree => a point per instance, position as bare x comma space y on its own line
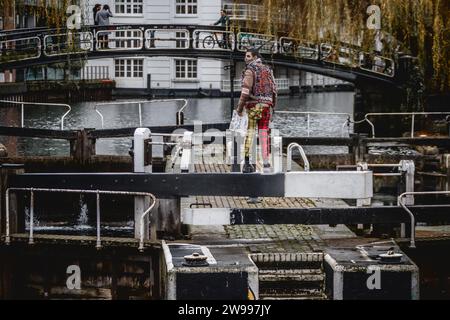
52, 14
418, 27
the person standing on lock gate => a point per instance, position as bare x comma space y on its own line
259, 97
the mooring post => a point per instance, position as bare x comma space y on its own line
143, 164
83, 147
234, 144
277, 154
168, 218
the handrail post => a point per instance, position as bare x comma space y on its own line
412, 125
64, 115
309, 125
22, 116
371, 124
99, 242
140, 114
413, 221
7, 222
302, 154
31, 239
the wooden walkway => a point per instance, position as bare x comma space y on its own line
215, 164
240, 202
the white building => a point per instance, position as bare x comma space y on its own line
167, 74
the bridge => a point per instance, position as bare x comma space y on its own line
41, 46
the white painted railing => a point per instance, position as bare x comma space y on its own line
98, 225
179, 115
22, 105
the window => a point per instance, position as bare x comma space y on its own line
183, 42
129, 68
129, 7
128, 39
186, 7
186, 69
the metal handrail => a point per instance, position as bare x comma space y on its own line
262, 39
180, 113
302, 153
139, 103
365, 166
97, 192
392, 74
38, 47
23, 103
209, 33
309, 113
115, 38
80, 40
149, 38
413, 114
413, 219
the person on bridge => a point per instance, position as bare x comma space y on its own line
102, 19
224, 21
95, 10
259, 97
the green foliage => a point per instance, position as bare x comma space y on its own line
419, 27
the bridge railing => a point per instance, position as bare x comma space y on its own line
214, 40
377, 64
298, 48
266, 43
167, 39
339, 55
119, 40
20, 49
98, 216
67, 43
17, 47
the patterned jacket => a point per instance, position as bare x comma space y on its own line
258, 85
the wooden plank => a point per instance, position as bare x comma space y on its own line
231, 203
290, 203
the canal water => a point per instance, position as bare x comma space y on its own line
83, 115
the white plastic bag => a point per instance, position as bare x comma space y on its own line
239, 123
